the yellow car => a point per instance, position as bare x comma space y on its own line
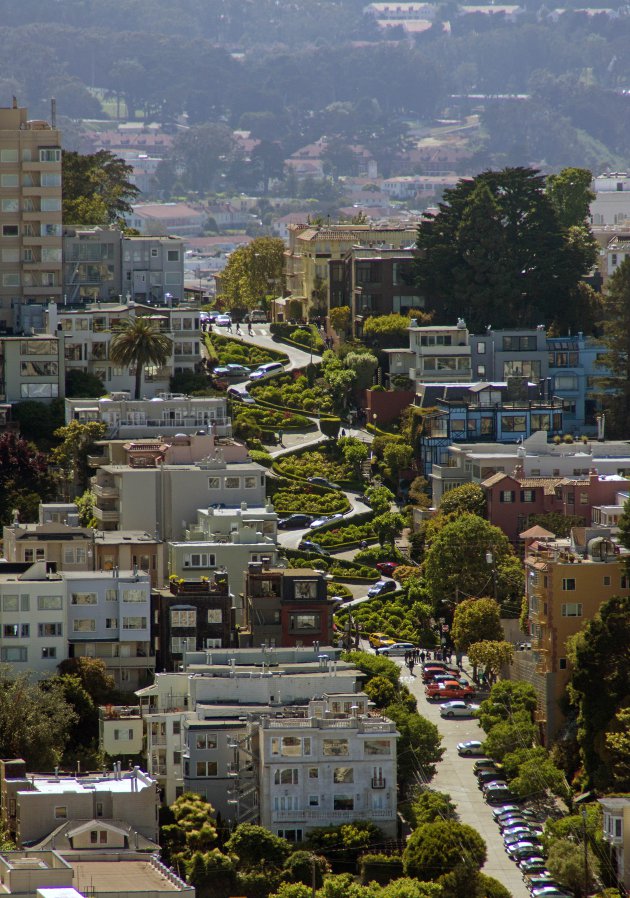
379, 640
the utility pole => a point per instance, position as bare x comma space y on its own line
586, 875
313, 876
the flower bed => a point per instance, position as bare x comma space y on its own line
345, 535
289, 498
341, 570
294, 394
313, 463
225, 350
390, 614
271, 418
338, 589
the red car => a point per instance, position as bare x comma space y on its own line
387, 567
451, 689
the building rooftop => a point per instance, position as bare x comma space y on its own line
127, 782
123, 877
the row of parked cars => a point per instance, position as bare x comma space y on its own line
518, 825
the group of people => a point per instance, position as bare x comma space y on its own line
415, 656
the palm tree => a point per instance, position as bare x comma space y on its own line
138, 343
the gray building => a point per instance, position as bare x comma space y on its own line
32, 368
101, 264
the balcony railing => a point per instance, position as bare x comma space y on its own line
378, 782
107, 515
324, 815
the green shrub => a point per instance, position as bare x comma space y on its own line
294, 394
377, 554
339, 536
225, 350
261, 457
269, 417
313, 463
305, 498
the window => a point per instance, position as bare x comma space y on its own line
50, 652
10, 631
134, 595
215, 616
11, 603
10, 255
305, 589
61, 812
625, 582
481, 347
111, 623
286, 777
343, 803
83, 598
583, 498
343, 775
205, 741
507, 496
335, 747
184, 617
49, 603
172, 255
513, 423
250, 483
304, 622
200, 559
572, 609
47, 630
134, 623
50, 204
519, 344
50, 179
541, 422
180, 644
232, 483
313, 801
289, 746
377, 747
177, 727
16, 654
10, 205
606, 581
8, 155
207, 768
10, 230
111, 595
521, 368
84, 625
562, 663
9, 181
49, 154
565, 382
11, 279
568, 584
214, 483
313, 773
528, 496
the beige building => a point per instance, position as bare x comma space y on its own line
34, 805
567, 580
311, 248
617, 834
30, 214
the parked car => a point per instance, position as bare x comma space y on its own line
535, 880
235, 370
387, 568
499, 793
398, 648
506, 809
489, 776
326, 519
322, 481
486, 764
448, 690
307, 545
378, 640
381, 587
266, 370
295, 522
521, 850
457, 709
532, 865
516, 834
512, 820
469, 749
552, 890
240, 394
223, 321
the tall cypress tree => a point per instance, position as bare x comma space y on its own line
614, 385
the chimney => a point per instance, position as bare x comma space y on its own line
53, 112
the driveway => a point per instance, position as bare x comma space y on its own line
455, 776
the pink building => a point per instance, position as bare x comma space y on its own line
512, 498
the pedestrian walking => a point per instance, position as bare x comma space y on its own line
250, 332
422, 657
410, 666
229, 328
238, 329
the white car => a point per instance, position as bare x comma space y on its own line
470, 749
457, 708
267, 370
223, 321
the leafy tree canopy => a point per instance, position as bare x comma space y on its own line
252, 273
614, 383
469, 497
435, 849
496, 253
96, 188
257, 848
138, 343
571, 195
24, 479
476, 621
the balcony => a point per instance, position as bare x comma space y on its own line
95, 461
320, 816
379, 782
105, 492
106, 515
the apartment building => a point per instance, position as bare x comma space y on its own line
440, 354
616, 832
102, 264
567, 580
166, 414
162, 499
191, 615
286, 607
88, 331
32, 367
178, 449
469, 462
30, 214
374, 281
312, 248
34, 805
511, 499
326, 768
225, 685
109, 617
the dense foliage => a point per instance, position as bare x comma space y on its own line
295, 394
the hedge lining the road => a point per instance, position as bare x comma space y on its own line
228, 349
340, 569
289, 497
286, 333
272, 419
